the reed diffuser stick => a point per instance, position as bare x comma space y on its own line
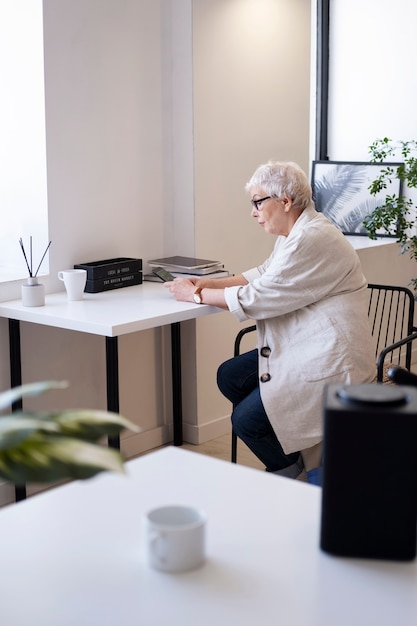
29, 265
43, 256
24, 254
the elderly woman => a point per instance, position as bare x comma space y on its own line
309, 302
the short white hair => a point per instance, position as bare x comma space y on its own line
282, 179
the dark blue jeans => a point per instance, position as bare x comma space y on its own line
238, 381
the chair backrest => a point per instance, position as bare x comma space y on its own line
391, 315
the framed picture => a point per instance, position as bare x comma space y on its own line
341, 192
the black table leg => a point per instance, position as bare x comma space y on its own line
16, 381
112, 375
176, 382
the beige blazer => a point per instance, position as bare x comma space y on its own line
309, 300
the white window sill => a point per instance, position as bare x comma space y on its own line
362, 242
10, 275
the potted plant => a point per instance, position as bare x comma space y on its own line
398, 214
43, 447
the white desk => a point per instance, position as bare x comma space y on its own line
74, 556
110, 314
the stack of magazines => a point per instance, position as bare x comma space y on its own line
188, 267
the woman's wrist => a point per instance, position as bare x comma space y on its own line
198, 295
203, 283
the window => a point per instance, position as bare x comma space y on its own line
23, 190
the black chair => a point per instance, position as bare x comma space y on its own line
236, 352
391, 315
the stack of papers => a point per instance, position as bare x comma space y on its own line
188, 265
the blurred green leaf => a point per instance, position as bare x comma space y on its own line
55, 458
17, 427
41, 446
91, 425
32, 389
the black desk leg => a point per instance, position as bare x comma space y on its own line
16, 381
176, 382
112, 375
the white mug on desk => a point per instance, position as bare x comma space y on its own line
175, 538
74, 281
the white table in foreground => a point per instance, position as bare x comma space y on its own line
74, 556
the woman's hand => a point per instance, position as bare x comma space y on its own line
182, 288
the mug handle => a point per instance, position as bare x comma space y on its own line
158, 547
61, 275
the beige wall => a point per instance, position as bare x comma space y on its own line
386, 264
251, 81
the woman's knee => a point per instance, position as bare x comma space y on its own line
238, 376
224, 377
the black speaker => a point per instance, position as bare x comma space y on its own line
369, 495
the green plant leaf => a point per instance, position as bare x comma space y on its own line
397, 215
15, 428
41, 446
32, 389
91, 425
49, 459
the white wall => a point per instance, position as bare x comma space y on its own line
251, 104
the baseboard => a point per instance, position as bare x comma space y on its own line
197, 434
132, 445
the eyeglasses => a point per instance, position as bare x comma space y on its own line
256, 203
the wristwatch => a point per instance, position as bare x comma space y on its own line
197, 296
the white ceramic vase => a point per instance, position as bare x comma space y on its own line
33, 293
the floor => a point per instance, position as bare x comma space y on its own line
220, 449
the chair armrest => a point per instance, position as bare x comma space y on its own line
239, 337
381, 358
401, 376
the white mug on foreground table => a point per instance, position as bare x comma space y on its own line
175, 538
74, 281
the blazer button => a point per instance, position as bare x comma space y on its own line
265, 377
265, 351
